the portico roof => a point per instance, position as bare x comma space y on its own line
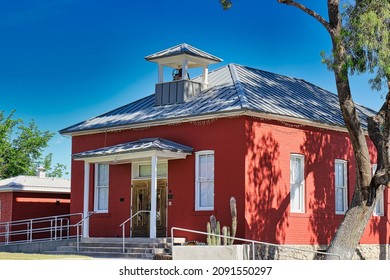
136, 150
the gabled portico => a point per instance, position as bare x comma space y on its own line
149, 149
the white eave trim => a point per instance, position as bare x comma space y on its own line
34, 189
133, 156
237, 113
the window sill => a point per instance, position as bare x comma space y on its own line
203, 212
100, 214
378, 216
299, 214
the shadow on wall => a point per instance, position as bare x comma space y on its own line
380, 224
266, 205
320, 151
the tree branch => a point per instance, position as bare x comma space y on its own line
379, 132
310, 12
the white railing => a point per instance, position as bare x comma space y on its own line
248, 241
77, 225
125, 222
37, 229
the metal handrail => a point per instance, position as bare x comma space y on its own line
40, 218
77, 225
125, 222
26, 230
253, 242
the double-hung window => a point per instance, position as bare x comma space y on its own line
101, 188
341, 186
204, 180
379, 209
297, 183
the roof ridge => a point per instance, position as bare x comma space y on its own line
237, 84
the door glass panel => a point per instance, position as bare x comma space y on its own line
141, 196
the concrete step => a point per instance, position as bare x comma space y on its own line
105, 254
119, 245
84, 248
138, 248
177, 240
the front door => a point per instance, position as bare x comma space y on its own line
141, 201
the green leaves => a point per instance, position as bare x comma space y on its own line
226, 4
21, 147
366, 34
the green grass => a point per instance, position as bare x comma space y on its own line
23, 256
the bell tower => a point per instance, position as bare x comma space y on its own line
180, 58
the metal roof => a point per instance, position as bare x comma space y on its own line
35, 184
182, 49
233, 89
141, 145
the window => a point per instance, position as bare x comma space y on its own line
101, 188
341, 186
204, 180
379, 209
297, 184
144, 170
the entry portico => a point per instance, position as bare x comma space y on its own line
148, 149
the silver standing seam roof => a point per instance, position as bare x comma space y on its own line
233, 89
35, 184
146, 144
182, 49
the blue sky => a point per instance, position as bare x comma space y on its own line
64, 61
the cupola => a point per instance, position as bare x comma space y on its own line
180, 58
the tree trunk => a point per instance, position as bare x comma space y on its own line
366, 191
351, 229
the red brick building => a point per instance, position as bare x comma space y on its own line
277, 144
28, 197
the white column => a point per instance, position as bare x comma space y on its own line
184, 69
160, 73
86, 200
205, 77
153, 198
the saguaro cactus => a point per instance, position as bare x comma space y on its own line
214, 227
233, 212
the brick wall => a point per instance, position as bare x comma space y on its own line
268, 216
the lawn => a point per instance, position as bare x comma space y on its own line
22, 256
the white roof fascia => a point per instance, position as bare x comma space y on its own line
173, 121
295, 121
34, 189
213, 116
133, 156
177, 61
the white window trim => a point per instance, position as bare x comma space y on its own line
345, 202
301, 187
96, 198
380, 202
197, 193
